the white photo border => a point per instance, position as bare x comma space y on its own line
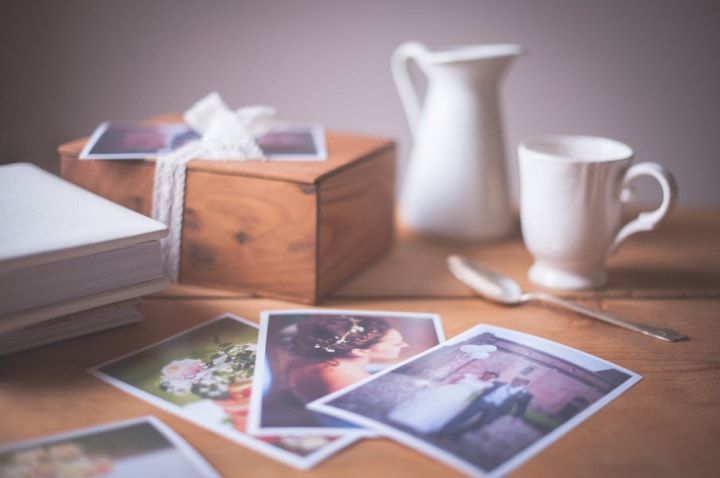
320, 405
99, 131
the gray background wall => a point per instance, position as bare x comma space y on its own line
644, 72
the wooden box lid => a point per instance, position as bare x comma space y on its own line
343, 150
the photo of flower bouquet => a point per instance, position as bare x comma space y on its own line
210, 378
205, 375
225, 377
205, 364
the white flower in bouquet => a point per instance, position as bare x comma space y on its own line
178, 375
182, 369
212, 377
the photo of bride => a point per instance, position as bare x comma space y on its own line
332, 353
308, 354
431, 409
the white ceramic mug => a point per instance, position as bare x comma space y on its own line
572, 193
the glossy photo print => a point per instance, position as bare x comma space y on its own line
140, 140
204, 375
288, 142
307, 354
129, 449
136, 140
484, 401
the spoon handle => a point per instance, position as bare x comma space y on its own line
659, 333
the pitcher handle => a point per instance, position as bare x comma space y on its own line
647, 221
403, 81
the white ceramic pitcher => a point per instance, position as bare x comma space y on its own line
455, 184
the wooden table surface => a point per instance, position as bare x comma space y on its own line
666, 425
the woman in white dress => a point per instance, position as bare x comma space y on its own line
430, 409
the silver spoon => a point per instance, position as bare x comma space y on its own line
499, 288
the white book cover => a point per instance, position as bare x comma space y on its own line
44, 218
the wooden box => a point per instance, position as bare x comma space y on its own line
289, 230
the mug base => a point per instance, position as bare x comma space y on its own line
551, 277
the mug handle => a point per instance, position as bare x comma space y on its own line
400, 66
647, 221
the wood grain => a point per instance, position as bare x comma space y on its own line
259, 227
679, 259
250, 234
355, 214
128, 183
666, 425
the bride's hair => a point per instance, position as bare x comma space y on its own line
323, 337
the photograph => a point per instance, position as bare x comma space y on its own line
136, 140
204, 375
128, 449
483, 402
291, 142
140, 140
307, 354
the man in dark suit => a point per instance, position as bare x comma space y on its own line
502, 399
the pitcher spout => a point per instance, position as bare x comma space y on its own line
474, 53
475, 64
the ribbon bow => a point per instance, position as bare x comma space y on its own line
227, 136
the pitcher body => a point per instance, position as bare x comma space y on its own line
456, 183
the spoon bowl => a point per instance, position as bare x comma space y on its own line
485, 282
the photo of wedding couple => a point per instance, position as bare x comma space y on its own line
469, 403
484, 400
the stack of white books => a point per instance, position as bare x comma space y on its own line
71, 262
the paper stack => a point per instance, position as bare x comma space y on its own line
71, 262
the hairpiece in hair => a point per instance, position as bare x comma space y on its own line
356, 328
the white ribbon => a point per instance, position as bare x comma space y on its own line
227, 136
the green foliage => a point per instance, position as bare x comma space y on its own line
542, 422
